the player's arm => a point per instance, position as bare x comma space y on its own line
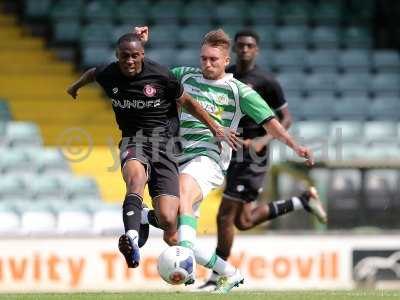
86, 78
196, 110
256, 108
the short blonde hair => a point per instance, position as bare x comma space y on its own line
217, 38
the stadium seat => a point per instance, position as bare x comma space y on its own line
78, 187
187, 57
352, 108
310, 130
82, 222
289, 60
385, 109
132, 12
165, 56
165, 11
5, 115
292, 82
163, 36
267, 36
96, 55
36, 218
107, 220
15, 162
227, 13
386, 61
99, 11
198, 12
320, 109
322, 61
321, 82
346, 131
387, 84
23, 134
45, 187
295, 13
292, 37
324, 37
67, 11
190, 36
262, 13
50, 161
120, 30
355, 60
354, 82
97, 34
380, 131
36, 9
343, 198
356, 37
66, 31
10, 221
327, 13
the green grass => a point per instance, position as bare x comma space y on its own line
298, 295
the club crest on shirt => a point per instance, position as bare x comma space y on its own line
222, 100
115, 90
149, 90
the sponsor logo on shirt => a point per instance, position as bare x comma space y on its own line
149, 90
135, 104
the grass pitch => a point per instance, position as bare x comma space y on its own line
299, 295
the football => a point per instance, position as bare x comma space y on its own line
176, 265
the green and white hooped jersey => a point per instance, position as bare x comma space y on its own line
227, 100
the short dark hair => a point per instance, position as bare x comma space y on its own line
128, 37
248, 32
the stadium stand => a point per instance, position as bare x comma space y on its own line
322, 52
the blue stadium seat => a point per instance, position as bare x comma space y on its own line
318, 109
165, 11
292, 82
356, 37
327, 13
23, 134
133, 12
289, 60
292, 37
352, 108
97, 34
198, 12
228, 13
322, 82
95, 56
36, 8
191, 35
386, 61
387, 108
99, 11
262, 13
354, 82
165, 56
187, 57
12, 187
295, 12
163, 35
355, 60
387, 84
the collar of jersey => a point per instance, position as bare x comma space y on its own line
227, 76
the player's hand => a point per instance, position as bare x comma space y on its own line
305, 153
142, 33
228, 135
72, 91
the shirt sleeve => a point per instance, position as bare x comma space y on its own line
174, 87
253, 105
277, 98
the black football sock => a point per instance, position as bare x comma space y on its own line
279, 208
132, 212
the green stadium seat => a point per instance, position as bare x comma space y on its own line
198, 12
67, 11
387, 108
99, 11
295, 13
327, 13
324, 37
164, 56
187, 57
386, 83
310, 131
23, 134
262, 13
132, 12
45, 187
228, 13
77, 187
322, 60
354, 82
95, 56
50, 161
380, 131
352, 108
346, 132
12, 187
35, 9
292, 37
267, 35
66, 31
97, 34
292, 82
191, 36
289, 60
120, 30
355, 60
164, 35
386, 60
165, 11
322, 82
360, 12
356, 37
320, 109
